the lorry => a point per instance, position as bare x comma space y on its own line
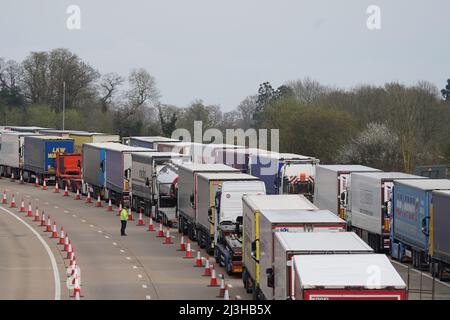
59, 133
439, 235
285, 173
187, 202
276, 265
209, 152
264, 215
166, 190
149, 142
184, 148
144, 169
332, 184
40, 155
237, 158
11, 153
412, 219
69, 170
94, 166
29, 129
219, 214
345, 277
371, 206
82, 137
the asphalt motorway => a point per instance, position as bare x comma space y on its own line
138, 266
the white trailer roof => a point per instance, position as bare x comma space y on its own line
388, 175
206, 167
443, 192
48, 137
300, 216
18, 133
293, 156
427, 184
154, 139
157, 154
371, 271
279, 202
322, 242
227, 176
347, 168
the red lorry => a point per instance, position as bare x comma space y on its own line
69, 170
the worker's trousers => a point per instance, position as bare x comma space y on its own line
123, 224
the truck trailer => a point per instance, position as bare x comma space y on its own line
40, 155
439, 235
412, 214
69, 170
219, 214
332, 184
82, 137
346, 277
276, 265
187, 202
11, 153
264, 215
238, 158
149, 142
144, 169
285, 173
371, 206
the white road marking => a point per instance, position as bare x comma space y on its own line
106, 237
122, 250
65, 211
144, 286
91, 225
82, 220
134, 267
27, 196
128, 258
56, 207
36, 199
417, 271
140, 276
114, 244
74, 215
46, 203
148, 297
49, 252
100, 231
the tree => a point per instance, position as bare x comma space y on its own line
10, 93
108, 87
307, 90
168, 116
246, 110
142, 88
446, 91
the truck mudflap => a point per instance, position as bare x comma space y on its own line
354, 295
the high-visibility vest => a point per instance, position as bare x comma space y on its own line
124, 215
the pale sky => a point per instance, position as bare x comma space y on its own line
220, 51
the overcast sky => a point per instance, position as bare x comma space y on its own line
220, 51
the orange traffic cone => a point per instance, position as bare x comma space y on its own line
66, 243
36, 215
151, 227
61, 236
44, 185
198, 260
140, 221
88, 199
56, 187
160, 231
78, 196
29, 212
130, 216
168, 239
13, 202
49, 225
43, 219
66, 191
226, 294
188, 254
12, 177
69, 250
99, 202
109, 205
4, 200
213, 281
36, 182
54, 231
72, 258
77, 289
182, 245
21, 179
207, 271
222, 287
22, 206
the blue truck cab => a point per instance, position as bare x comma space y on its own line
411, 219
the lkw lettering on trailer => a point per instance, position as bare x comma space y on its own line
52, 154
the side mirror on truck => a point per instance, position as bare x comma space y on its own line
425, 230
253, 252
269, 273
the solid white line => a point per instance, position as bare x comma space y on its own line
49, 252
418, 271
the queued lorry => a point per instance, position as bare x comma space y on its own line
219, 214
145, 167
332, 184
40, 155
166, 190
263, 216
413, 220
187, 202
237, 158
69, 170
149, 142
29, 129
371, 206
81, 137
106, 167
439, 235
285, 173
345, 277
277, 264
191, 149
12, 153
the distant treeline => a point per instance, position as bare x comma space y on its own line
391, 127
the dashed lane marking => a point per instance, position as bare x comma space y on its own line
56, 276
140, 276
74, 215
82, 220
100, 231
106, 237
114, 244
135, 267
56, 207
122, 250
144, 286
128, 258
91, 225
65, 211
46, 203
148, 297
